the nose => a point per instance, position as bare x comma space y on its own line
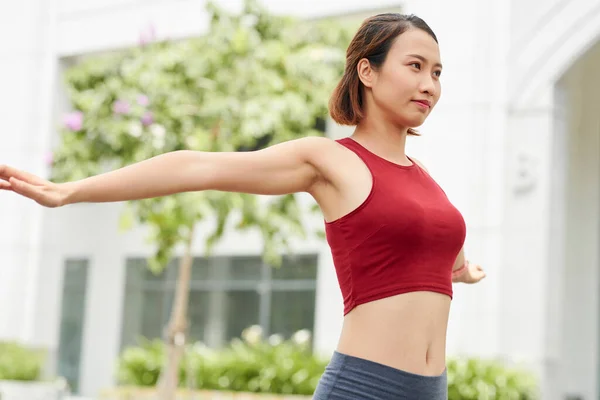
428, 85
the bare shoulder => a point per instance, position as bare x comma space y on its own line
335, 162
314, 143
317, 142
321, 151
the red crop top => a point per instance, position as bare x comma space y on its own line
405, 237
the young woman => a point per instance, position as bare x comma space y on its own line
395, 238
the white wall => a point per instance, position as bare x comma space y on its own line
546, 294
546, 38
526, 17
581, 278
28, 68
99, 25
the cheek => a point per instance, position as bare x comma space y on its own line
403, 80
397, 86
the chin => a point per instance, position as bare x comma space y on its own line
411, 123
408, 120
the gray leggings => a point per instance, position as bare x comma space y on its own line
352, 378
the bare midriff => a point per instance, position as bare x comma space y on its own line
406, 332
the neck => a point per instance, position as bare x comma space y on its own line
383, 138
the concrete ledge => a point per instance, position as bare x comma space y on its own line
13, 390
150, 394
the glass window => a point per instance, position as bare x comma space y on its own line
227, 295
292, 311
245, 268
72, 320
198, 307
296, 267
241, 311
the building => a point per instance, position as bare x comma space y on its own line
520, 160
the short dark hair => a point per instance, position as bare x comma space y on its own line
373, 42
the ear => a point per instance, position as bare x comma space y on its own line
365, 72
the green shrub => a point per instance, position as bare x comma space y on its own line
285, 367
476, 379
250, 364
141, 365
19, 363
277, 366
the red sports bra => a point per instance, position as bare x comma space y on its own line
404, 237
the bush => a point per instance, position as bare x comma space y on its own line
475, 379
18, 363
252, 364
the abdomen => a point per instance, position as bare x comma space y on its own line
406, 332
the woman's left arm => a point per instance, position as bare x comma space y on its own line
466, 272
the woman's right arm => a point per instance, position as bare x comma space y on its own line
289, 167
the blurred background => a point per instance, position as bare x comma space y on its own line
86, 291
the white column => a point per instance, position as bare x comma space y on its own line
26, 42
574, 352
105, 295
329, 306
526, 280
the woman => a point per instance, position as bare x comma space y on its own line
395, 238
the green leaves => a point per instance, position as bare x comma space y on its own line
488, 379
275, 365
253, 80
250, 364
18, 363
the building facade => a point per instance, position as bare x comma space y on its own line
514, 141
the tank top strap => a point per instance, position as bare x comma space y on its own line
374, 162
370, 160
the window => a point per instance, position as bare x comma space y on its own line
72, 320
227, 295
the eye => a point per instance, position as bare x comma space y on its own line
438, 73
416, 65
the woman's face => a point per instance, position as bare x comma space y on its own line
407, 86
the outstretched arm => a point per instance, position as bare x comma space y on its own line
466, 272
287, 167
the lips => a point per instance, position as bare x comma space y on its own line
424, 103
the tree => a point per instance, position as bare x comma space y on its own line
253, 80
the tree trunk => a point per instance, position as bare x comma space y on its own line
177, 329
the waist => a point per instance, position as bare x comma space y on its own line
406, 332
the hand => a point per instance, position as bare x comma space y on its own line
43, 192
473, 274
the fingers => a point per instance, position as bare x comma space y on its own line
4, 185
7, 172
21, 187
44, 195
481, 272
25, 189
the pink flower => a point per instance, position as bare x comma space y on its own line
147, 35
143, 100
73, 120
48, 158
147, 118
120, 107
